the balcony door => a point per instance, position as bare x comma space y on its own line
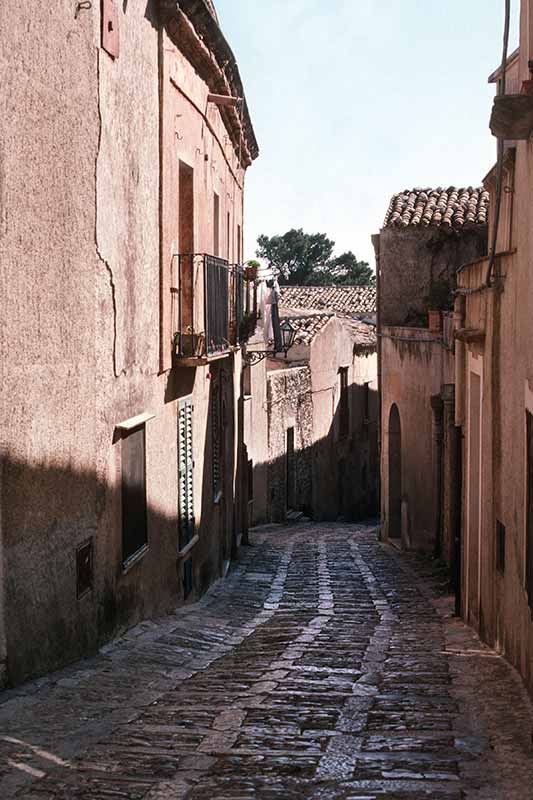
186, 243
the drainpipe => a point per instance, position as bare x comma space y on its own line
460, 359
438, 415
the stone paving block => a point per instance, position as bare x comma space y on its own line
323, 668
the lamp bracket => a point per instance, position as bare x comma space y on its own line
252, 357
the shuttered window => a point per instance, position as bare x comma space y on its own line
134, 523
216, 434
185, 473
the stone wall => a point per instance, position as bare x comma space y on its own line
412, 259
290, 405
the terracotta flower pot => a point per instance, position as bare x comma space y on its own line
435, 321
250, 273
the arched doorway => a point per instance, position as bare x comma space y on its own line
395, 474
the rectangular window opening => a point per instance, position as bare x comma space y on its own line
186, 243
366, 403
344, 409
250, 481
290, 470
216, 224
134, 507
84, 568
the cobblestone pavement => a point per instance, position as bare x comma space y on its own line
324, 668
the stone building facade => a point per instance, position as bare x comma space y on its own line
322, 418
119, 163
290, 442
494, 387
427, 236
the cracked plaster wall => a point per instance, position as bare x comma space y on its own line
80, 341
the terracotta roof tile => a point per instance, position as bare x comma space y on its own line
364, 336
345, 300
452, 207
307, 326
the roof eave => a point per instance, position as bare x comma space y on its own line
225, 77
496, 75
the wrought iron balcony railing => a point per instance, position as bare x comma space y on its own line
208, 305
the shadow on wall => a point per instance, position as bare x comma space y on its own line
65, 591
336, 477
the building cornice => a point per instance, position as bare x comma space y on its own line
195, 32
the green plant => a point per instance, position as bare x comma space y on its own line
251, 269
247, 327
440, 296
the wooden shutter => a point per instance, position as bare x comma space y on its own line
185, 473
216, 436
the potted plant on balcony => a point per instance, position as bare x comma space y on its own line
251, 269
189, 344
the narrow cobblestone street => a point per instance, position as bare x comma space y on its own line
325, 667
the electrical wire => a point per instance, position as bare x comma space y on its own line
501, 149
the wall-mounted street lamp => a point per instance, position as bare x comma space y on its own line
288, 335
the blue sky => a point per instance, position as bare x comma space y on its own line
354, 100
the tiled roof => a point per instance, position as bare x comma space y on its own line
364, 336
345, 300
211, 6
307, 326
454, 208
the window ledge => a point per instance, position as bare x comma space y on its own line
134, 422
134, 559
188, 547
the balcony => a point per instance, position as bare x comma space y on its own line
512, 117
207, 308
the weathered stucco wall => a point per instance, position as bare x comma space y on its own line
87, 326
343, 464
256, 439
414, 258
48, 264
345, 468
415, 367
494, 595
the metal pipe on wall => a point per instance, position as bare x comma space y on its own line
460, 360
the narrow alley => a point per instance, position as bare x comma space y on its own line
326, 666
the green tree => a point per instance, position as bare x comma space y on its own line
306, 259
346, 270
297, 255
